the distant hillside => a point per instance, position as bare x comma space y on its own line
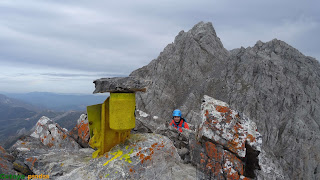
12, 102
58, 102
69, 119
18, 117
12, 111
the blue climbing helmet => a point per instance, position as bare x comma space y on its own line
176, 112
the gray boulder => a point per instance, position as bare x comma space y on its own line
52, 135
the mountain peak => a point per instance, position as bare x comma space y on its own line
202, 29
203, 36
278, 47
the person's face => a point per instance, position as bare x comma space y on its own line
176, 118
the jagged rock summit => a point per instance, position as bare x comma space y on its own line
181, 71
272, 83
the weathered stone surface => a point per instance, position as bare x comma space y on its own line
120, 84
142, 156
272, 83
81, 133
225, 126
52, 135
27, 144
226, 145
180, 141
147, 124
279, 88
6, 160
22, 168
180, 72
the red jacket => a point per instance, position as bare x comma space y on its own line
182, 124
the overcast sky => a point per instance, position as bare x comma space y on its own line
62, 46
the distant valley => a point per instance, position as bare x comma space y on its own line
20, 112
58, 102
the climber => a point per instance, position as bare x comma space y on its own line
178, 122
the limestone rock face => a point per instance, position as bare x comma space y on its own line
6, 162
275, 85
142, 156
279, 88
229, 143
81, 133
180, 71
227, 128
52, 135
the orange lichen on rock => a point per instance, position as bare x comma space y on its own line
154, 145
3, 166
222, 109
251, 138
233, 145
212, 151
83, 130
64, 136
151, 151
202, 161
217, 168
236, 163
228, 117
209, 166
50, 144
232, 175
245, 178
237, 127
32, 160
2, 150
207, 113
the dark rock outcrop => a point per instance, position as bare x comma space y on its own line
120, 84
6, 162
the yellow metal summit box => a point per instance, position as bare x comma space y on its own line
121, 111
102, 136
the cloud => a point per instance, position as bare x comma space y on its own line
58, 40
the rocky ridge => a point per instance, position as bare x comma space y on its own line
225, 147
272, 83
